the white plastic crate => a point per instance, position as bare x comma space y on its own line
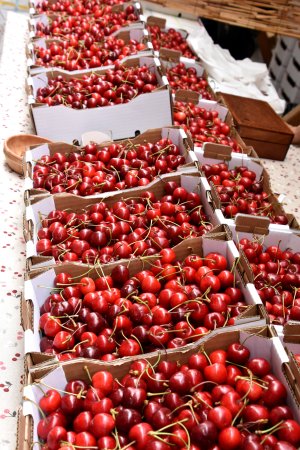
284, 49
290, 85
276, 69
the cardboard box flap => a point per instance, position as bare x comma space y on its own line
215, 196
294, 374
183, 95
252, 224
217, 151
291, 332
244, 268
24, 431
152, 20
169, 55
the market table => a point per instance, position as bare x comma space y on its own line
15, 119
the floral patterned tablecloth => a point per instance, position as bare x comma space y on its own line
15, 119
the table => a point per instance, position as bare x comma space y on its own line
15, 119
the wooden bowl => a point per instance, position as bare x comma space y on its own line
15, 146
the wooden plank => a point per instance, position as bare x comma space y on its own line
278, 16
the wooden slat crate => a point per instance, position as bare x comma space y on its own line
279, 16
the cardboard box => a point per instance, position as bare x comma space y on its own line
262, 342
171, 58
140, 34
39, 284
259, 126
289, 335
260, 229
148, 110
224, 114
176, 134
46, 17
41, 208
214, 154
37, 3
162, 24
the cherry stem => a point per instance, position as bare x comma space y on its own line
86, 369
273, 429
27, 399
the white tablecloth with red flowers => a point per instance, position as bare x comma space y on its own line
15, 119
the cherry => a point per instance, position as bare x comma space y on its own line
238, 353
290, 432
50, 401
230, 438
204, 434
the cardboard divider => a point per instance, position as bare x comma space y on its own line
147, 110
157, 21
139, 33
39, 283
40, 208
261, 341
176, 134
252, 224
166, 54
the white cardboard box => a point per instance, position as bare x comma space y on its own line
61, 123
177, 136
33, 212
140, 34
260, 346
237, 159
37, 289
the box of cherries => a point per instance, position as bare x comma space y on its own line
163, 36
240, 184
103, 21
107, 167
272, 264
72, 54
121, 100
228, 391
65, 227
127, 308
185, 73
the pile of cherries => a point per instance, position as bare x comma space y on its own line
74, 7
183, 77
277, 279
92, 170
117, 85
240, 192
72, 54
139, 226
204, 125
101, 23
171, 39
225, 401
117, 315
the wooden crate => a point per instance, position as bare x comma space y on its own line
259, 126
279, 16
